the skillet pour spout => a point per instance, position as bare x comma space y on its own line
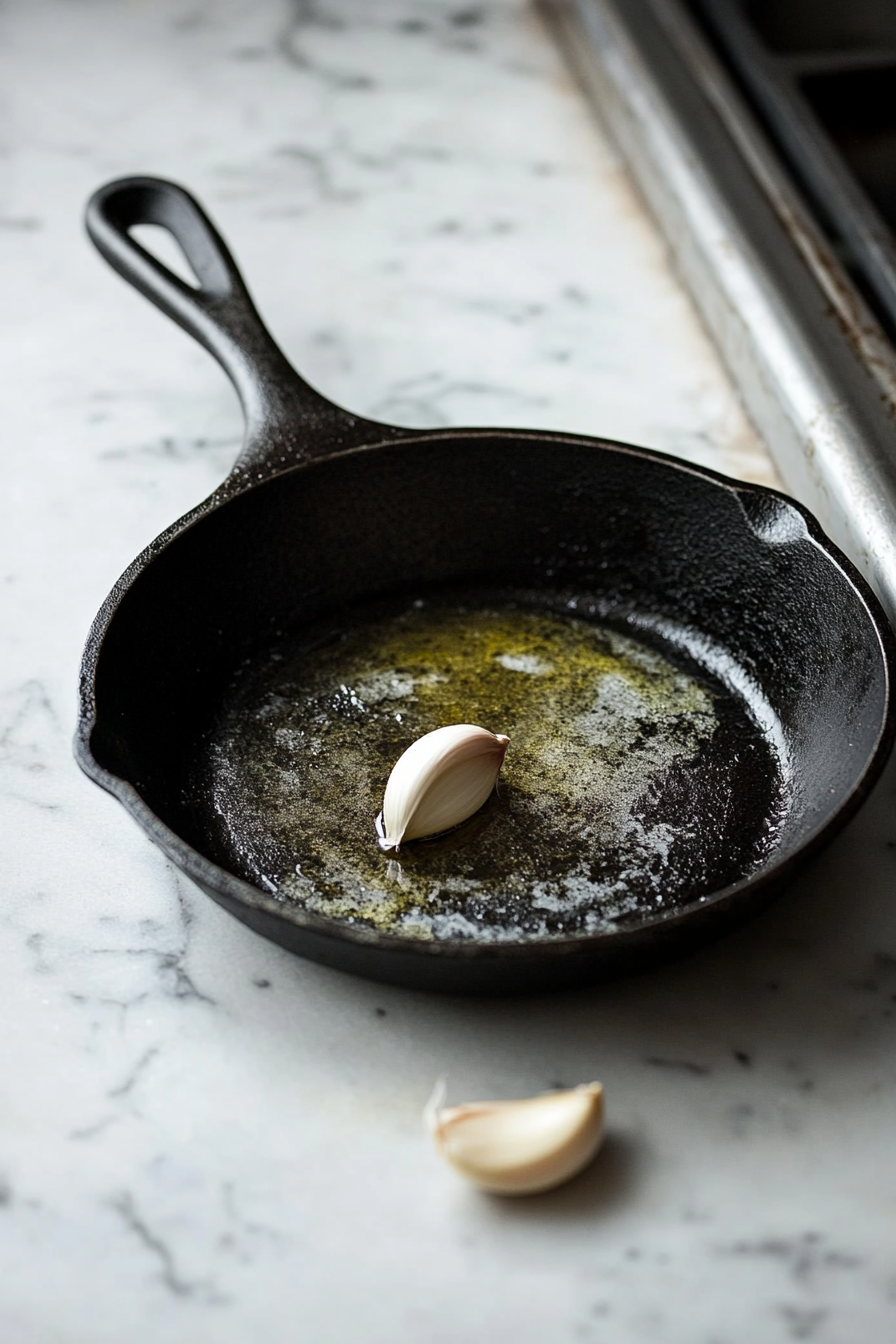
700, 681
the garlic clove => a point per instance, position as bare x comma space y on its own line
521, 1147
442, 778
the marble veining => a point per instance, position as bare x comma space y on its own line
202, 1138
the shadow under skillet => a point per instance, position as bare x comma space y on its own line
807, 988
803, 995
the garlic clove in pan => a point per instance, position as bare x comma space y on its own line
442, 778
520, 1147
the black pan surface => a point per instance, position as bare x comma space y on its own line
695, 681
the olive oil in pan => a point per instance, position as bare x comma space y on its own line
635, 783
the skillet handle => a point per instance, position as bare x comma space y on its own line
287, 421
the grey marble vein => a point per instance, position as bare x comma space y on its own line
201, 1137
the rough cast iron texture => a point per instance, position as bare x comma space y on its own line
324, 509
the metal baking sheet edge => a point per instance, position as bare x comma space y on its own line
815, 371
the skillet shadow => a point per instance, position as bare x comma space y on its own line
800, 1000
826, 948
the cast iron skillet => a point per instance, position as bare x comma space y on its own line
325, 512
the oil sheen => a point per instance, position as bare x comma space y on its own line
635, 782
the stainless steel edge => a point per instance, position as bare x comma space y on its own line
778, 93
815, 371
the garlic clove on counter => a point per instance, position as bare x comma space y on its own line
520, 1147
442, 778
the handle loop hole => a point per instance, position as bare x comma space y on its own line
149, 230
162, 245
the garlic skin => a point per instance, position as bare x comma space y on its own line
520, 1147
442, 778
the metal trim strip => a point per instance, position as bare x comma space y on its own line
816, 372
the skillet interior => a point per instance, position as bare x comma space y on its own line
729, 577
636, 781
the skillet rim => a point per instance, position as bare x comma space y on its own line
240, 892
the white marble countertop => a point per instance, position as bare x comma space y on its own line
202, 1137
